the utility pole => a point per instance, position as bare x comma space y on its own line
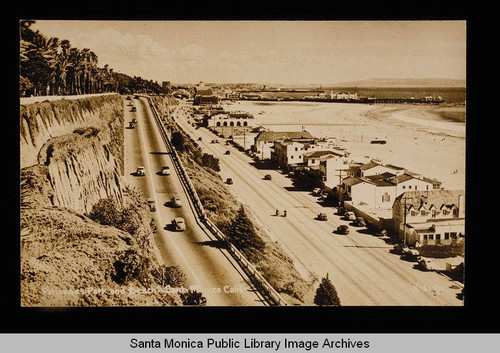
404, 221
340, 185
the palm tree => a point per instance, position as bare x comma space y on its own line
63, 64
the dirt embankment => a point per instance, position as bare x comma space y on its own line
71, 159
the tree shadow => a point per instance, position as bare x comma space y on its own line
217, 244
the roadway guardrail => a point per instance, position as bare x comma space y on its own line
268, 291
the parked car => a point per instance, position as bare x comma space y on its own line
141, 171
151, 204
343, 229
131, 125
359, 222
380, 233
316, 191
227, 152
179, 224
322, 217
133, 109
268, 177
340, 211
175, 201
229, 181
165, 170
401, 248
349, 216
199, 139
412, 255
426, 265
134, 120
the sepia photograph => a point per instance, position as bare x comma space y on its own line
242, 163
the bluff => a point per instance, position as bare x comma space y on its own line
80, 142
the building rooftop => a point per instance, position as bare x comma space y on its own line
278, 135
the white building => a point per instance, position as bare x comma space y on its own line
430, 217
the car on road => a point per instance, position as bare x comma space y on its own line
141, 171
343, 229
179, 223
133, 109
341, 211
316, 191
151, 204
165, 170
400, 248
268, 177
200, 139
214, 141
322, 217
380, 233
134, 120
131, 125
227, 152
175, 201
229, 181
426, 265
349, 216
359, 222
412, 255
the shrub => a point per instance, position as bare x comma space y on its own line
326, 294
178, 141
169, 276
106, 212
241, 233
131, 266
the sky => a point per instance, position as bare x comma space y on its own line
267, 52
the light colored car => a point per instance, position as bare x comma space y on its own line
350, 216
179, 224
141, 171
176, 201
316, 191
165, 170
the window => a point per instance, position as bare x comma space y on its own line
431, 236
425, 237
296, 149
386, 197
414, 213
423, 213
434, 213
453, 235
438, 236
455, 212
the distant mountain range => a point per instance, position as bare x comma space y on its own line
404, 82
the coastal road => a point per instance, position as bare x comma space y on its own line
208, 268
360, 265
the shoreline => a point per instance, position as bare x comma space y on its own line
418, 139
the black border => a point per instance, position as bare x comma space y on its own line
467, 319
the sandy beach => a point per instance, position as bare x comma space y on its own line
425, 139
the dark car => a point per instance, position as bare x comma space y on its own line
359, 222
322, 217
343, 229
199, 139
229, 181
227, 152
268, 177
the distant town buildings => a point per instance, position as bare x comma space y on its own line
204, 95
235, 118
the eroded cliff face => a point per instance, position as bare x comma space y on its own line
80, 142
